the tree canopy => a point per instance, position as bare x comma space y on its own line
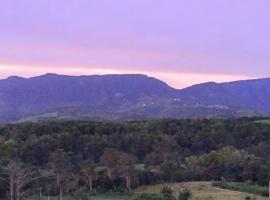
99, 155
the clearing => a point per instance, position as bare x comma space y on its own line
200, 191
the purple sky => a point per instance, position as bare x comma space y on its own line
179, 41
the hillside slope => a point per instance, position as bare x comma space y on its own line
252, 94
133, 96
200, 191
52, 93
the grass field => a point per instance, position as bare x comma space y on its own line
200, 191
98, 197
243, 187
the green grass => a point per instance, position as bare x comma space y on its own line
97, 197
111, 198
243, 187
200, 191
51, 198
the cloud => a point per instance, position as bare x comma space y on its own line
180, 36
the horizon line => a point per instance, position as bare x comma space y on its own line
123, 74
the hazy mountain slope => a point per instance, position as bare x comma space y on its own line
135, 96
49, 93
252, 94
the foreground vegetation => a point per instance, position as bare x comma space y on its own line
243, 187
200, 191
74, 158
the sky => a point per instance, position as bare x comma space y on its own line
182, 42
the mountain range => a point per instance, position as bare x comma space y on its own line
132, 96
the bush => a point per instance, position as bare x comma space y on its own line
185, 194
167, 193
249, 198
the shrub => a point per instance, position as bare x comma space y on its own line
167, 193
249, 198
185, 194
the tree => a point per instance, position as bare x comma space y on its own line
39, 184
125, 167
110, 159
62, 169
20, 175
168, 193
170, 169
119, 163
88, 171
185, 194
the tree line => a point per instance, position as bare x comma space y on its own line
64, 157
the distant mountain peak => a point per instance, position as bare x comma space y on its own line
51, 75
206, 84
55, 75
15, 78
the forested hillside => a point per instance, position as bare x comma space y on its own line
127, 97
55, 157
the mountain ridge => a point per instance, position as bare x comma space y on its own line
251, 93
127, 96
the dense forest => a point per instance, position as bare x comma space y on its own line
60, 157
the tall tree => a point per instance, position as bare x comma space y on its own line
19, 176
88, 171
125, 167
110, 159
62, 169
